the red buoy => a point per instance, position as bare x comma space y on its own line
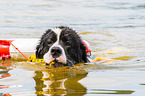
4, 49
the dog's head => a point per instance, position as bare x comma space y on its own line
61, 45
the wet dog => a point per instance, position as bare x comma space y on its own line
62, 46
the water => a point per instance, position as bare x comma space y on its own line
115, 29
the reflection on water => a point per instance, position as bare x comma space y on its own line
52, 81
105, 91
58, 83
62, 81
4, 70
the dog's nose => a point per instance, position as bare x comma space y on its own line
56, 52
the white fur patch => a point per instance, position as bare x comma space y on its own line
58, 32
48, 57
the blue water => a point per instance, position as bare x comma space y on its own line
114, 28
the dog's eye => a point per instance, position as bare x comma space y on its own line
50, 42
67, 43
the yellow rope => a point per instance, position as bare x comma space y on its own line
32, 58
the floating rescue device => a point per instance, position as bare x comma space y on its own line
4, 49
18, 49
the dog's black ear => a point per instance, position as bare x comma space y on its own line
41, 48
79, 54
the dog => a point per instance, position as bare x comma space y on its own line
62, 46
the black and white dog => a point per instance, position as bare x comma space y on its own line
63, 46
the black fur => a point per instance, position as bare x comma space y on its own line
74, 48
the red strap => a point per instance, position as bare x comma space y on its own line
19, 50
87, 49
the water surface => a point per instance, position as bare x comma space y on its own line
114, 29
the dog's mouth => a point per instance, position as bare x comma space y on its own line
56, 63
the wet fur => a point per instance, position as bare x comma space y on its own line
70, 41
